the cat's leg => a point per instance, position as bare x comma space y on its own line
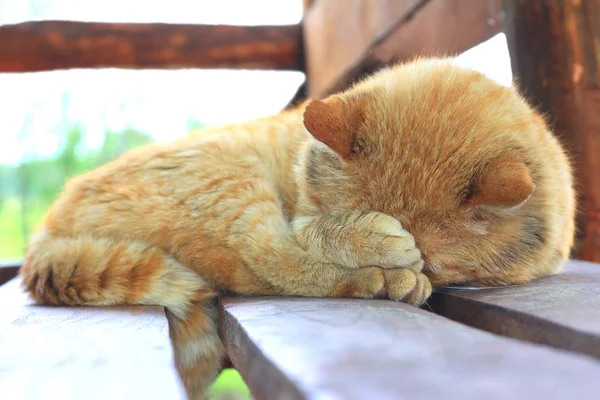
358, 239
97, 271
93, 271
263, 237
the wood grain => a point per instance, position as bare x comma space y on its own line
83, 353
49, 45
555, 54
297, 348
345, 40
562, 311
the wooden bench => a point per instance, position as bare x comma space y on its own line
83, 353
537, 341
300, 348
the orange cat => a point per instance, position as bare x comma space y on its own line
317, 201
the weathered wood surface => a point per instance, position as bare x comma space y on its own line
7, 272
346, 39
49, 45
555, 54
561, 311
83, 353
297, 348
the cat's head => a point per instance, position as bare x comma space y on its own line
448, 152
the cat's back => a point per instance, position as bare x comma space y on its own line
248, 146
197, 176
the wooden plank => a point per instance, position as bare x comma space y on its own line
49, 45
8, 271
561, 311
83, 353
345, 40
298, 348
555, 55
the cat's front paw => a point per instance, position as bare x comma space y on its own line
407, 286
381, 240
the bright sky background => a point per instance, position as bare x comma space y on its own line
35, 106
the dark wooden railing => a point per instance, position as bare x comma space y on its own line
48, 45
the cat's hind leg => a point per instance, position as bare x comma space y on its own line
86, 270
91, 271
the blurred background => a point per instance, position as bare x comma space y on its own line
54, 125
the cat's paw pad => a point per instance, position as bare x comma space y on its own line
385, 243
407, 286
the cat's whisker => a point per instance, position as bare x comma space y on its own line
426, 304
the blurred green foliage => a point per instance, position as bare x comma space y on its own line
28, 189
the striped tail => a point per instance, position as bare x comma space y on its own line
90, 271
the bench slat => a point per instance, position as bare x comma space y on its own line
83, 353
7, 272
561, 311
296, 348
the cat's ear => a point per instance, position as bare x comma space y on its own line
333, 121
503, 183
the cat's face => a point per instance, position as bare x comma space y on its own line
443, 149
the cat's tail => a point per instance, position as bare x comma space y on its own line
85, 270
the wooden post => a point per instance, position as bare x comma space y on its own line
555, 53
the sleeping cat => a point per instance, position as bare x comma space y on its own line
424, 173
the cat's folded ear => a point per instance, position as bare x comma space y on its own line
503, 184
334, 121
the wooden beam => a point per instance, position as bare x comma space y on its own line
49, 45
555, 57
8, 271
298, 348
83, 352
561, 311
345, 40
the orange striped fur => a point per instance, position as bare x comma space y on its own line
423, 173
